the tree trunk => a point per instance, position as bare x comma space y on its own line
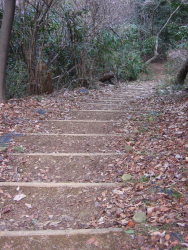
156, 54
5, 33
182, 73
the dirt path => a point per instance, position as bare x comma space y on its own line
66, 171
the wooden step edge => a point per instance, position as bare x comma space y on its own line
108, 100
120, 99
67, 154
81, 121
103, 104
59, 232
58, 184
115, 98
74, 135
104, 110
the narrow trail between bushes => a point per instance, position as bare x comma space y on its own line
66, 190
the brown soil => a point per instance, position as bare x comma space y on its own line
68, 143
53, 208
66, 169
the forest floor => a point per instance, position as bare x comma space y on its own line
96, 169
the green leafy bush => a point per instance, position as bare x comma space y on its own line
16, 85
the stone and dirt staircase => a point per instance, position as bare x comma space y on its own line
70, 165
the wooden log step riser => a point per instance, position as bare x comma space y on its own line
67, 232
78, 239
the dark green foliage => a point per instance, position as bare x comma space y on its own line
16, 85
72, 52
152, 16
1, 16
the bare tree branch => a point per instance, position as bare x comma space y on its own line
156, 54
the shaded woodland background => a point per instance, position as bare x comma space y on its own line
70, 44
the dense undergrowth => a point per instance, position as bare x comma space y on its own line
71, 44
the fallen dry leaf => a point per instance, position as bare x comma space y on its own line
164, 208
19, 197
167, 237
6, 209
131, 224
91, 241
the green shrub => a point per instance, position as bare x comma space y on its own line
16, 82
